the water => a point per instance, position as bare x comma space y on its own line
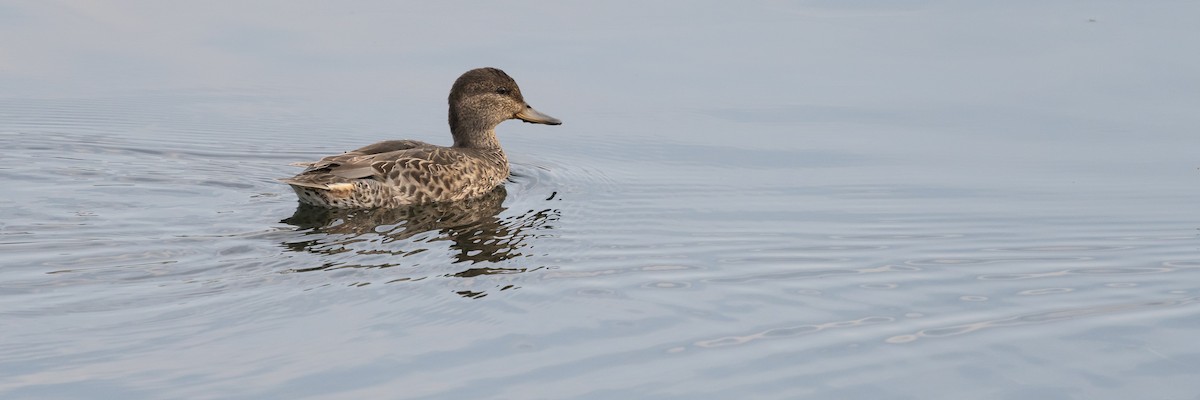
772, 200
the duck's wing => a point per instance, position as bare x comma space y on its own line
332, 170
386, 146
412, 163
389, 146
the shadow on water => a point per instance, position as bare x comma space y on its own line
478, 232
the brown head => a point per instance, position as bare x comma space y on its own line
483, 98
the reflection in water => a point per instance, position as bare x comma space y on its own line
475, 229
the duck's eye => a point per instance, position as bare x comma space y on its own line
502, 90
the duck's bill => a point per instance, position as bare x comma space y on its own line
534, 116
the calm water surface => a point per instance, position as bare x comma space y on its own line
770, 200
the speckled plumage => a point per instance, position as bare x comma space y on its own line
402, 172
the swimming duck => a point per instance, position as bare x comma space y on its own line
404, 172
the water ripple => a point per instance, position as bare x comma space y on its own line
785, 332
1039, 318
1078, 271
815, 273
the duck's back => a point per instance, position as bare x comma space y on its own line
399, 172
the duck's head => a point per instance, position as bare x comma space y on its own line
483, 98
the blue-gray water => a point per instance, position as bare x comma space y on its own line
843, 200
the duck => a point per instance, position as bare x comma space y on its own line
396, 173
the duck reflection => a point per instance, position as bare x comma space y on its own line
474, 228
